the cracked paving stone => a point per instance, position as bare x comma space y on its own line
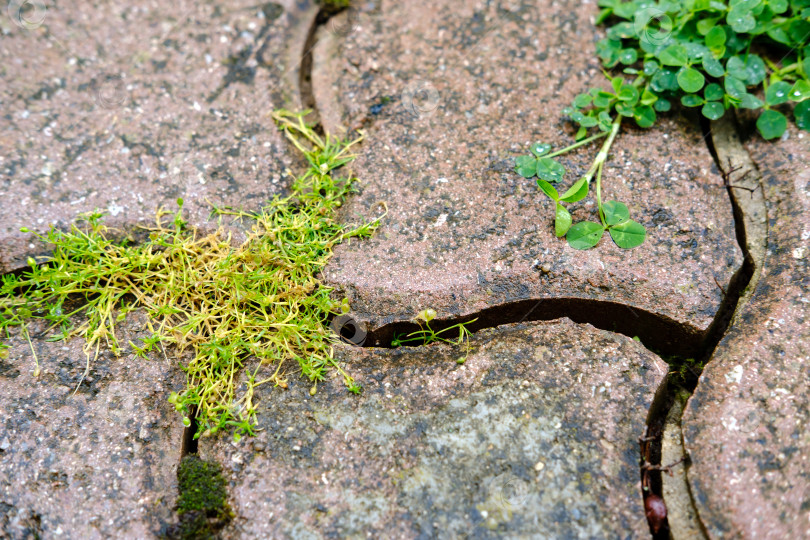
536, 434
98, 116
746, 426
448, 93
97, 464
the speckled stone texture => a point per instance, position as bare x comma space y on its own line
126, 106
746, 426
449, 92
534, 436
99, 463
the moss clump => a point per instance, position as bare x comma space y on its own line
202, 488
335, 4
260, 300
203, 501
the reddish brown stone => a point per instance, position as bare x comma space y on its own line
746, 426
449, 92
535, 435
127, 106
97, 463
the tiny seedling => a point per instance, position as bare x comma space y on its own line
696, 53
426, 335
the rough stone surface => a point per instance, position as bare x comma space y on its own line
534, 436
449, 92
746, 426
126, 106
99, 463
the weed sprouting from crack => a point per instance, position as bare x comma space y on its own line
226, 304
426, 335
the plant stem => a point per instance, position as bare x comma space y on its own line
599, 193
601, 157
577, 144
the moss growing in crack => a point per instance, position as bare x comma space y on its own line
202, 488
258, 303
203, 501
335, 5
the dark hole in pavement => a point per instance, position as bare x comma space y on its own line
658, 333
190, 445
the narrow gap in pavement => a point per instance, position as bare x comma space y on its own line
189, 445
657, 332
747, 200
305, 87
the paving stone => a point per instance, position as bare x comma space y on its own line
449, 92
99, 116
97, 463
746, 426
534, 436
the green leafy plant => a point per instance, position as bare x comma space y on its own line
426, 335
696, 53
225, 303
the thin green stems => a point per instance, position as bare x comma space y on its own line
578, 144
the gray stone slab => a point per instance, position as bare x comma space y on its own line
534, 436
127, 106
97, 463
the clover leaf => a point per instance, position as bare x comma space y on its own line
690, 79
526, 166
585, 235
577, 192
550, 170
562, 221
802, 115
615, 212
771, 124
628, 235
540, 149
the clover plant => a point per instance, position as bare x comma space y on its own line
706, 54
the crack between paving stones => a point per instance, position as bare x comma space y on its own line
189, 444
660, 334
743, 183
673, 341
305, 83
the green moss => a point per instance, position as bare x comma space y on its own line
335, 4
202, 487
259, 301
203, 501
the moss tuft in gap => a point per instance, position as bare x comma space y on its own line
203, 501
